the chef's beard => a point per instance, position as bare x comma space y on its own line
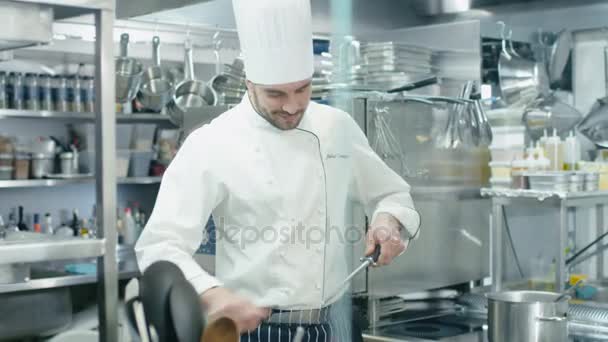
273, 117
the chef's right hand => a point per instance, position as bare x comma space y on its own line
220, 302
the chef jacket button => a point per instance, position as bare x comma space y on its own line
319, 250
318, 286
282, 254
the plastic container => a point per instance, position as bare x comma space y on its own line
143, 137
86, 161
507, 136
519, 165
6, 172
22, 166
519, 180
500, 169
506, 154
140, 163
124, 134
500, 183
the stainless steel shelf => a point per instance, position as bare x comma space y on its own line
34, 183
47, 275
570, 199
37, 251
63, 281
155, 118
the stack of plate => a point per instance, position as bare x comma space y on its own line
390, 65
230, 84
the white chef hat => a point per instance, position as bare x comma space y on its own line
276, 39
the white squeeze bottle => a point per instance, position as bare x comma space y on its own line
131, 233
542, 142
554, 151
572, 152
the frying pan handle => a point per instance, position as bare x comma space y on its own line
156, 50
124, 44
130, 311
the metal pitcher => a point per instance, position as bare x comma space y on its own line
128, 73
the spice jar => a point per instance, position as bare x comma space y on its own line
6, 159
30, 92
22, 166
45, 84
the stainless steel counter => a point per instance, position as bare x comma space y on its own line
480, 336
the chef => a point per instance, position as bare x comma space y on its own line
277, 173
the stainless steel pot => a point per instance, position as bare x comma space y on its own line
128, 73
157, 83
527, 316
190, 94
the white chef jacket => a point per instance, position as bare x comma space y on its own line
278, 200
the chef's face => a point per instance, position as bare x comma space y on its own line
281, 105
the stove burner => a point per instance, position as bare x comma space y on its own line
426, 330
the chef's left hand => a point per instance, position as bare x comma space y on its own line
385, 231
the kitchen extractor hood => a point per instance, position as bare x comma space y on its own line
134, 8
24, 24
437, 7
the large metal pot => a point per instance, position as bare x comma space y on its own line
527, 316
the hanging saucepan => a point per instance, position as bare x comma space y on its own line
157, 84
128, 73
560, 51
190, 94
595, 125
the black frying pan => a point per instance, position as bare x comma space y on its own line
186, 312
155, 288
